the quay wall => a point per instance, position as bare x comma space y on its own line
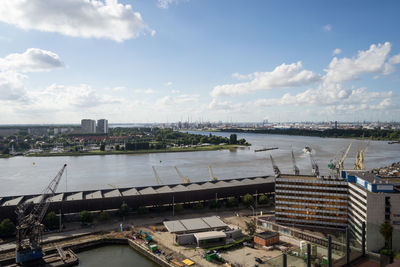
106, 199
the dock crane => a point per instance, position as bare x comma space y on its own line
359, 165
184, 179
314, 166
29, 229
158, 180
275, 167
338, 165
212, 177
296, 170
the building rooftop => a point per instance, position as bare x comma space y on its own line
196, 224
267, 234
209, 235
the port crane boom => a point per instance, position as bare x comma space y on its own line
184, 179
158, 180
296, 170
275, 167
359, 165
314, 166
29, 229
212, 177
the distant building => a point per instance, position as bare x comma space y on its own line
88, 126
102, 126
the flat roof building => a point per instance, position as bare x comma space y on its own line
195, 225
88, 126
102, 126
266, 238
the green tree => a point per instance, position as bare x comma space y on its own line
123, 210
263, 200
248, 200
7, 228
386, 230
143, 210
212, 204
51, 221
251, 227
198, 206
179, 207
102, 147
6, 151
232, 202
103, 216
85, 217
233, 139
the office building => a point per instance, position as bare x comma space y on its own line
344, 202
102, 126
88, 126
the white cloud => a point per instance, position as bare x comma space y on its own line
175, 91
32, 60
281, 77
174, 101
12, 86
337, 51
147, 91
168, 83
327, 28
373, 60
77, 18
166, 3
241, 76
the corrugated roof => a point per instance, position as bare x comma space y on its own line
112, 193
194, 187
130, 192
57, 198
222, 184
235, 182
208, 185
147, 191
209, 235
13, 202
214, 222
76, 196
174, 226
164, 189
179, 188
94, 195
194, 224
34, 200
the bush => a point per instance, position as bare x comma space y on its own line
251, 227
248, 200
51, 221
263, 200
143, 210
85, 217
179, 207
198, 206
232, 202
123, 210
212, 204
7, 228
387, 252
103, 216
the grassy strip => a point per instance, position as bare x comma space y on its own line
96, 153
235, 244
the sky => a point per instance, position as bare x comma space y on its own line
199, 60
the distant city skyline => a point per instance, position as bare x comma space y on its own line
169, 60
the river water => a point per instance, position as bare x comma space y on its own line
27, 175
115, 255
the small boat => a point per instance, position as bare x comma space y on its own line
307, 149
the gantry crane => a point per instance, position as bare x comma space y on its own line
359, 165
275, 167
296, 170
338, 165
158, 180
212, 177
314, 166
184, 179
29, 229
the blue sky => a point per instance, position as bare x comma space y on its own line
167, 60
